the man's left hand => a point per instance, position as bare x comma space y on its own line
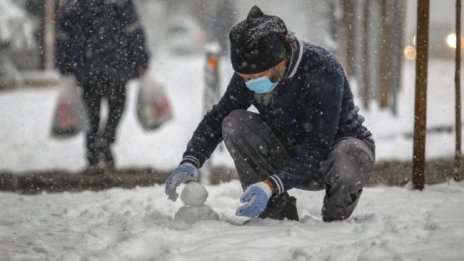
256, 197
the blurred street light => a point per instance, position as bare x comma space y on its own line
410, 52
451, 40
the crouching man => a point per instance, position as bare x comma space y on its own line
307, 135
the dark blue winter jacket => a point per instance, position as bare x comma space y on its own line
100, 38
311, 108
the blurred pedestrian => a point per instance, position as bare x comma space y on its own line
308, 133
102, 43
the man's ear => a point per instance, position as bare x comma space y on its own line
282, 65
279, 72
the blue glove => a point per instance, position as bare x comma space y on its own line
256, 197
183, 173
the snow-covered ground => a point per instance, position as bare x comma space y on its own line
390, 223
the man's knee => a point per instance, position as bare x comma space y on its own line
351, 163
235, 122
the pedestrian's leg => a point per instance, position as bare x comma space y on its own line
116, 96
92, 97
257, 154
345, 172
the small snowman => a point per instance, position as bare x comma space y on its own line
194, 196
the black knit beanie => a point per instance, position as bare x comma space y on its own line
257, 43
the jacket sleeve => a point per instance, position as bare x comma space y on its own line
208, 134
322, 116
132, 27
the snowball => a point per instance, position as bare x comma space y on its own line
192, 214
194, 194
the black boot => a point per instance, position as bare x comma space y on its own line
331, 212
93, 168
108, 158
280, 208
106, 155
93, 154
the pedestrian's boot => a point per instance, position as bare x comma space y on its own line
93, 160
107, 157
93, 168
280, 208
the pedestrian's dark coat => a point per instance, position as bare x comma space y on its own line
100, 38
309, 111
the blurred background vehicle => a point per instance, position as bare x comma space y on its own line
185, 35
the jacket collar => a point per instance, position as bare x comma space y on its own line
294, 58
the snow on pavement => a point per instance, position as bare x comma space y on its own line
390, 223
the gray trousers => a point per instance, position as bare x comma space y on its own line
257, 153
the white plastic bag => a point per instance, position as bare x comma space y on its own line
153, 107
70, 115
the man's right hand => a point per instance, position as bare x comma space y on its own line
183, 173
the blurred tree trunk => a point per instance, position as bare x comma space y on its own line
383, 30
420, 114
348, 35
49, 19
397, 31
358, 45
385, 54
335, 15
457, 80
366, 84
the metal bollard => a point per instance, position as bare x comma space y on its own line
211, 77
211, 94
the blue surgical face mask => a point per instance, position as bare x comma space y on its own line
261, 85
